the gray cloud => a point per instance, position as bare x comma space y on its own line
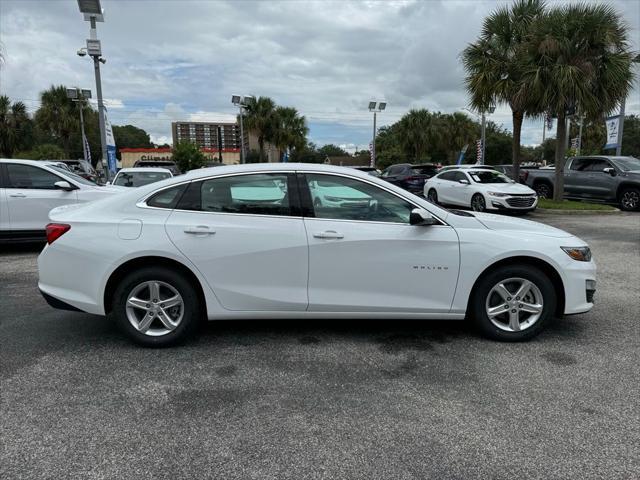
171, 59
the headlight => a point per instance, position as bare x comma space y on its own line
498, 194
581, 254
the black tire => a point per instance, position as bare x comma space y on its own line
432, 196
192, 308
478, 203
478, 304
543, 189
630, 199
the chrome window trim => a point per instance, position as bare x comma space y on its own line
142, 203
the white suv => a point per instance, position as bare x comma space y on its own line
30, 189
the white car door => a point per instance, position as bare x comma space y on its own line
31, 194
366, 256
4, 212
247, 239
444, 187
461, 192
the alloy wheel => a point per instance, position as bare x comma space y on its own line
543, 190
478, 204
630, 200
514, 304
432, 196
154, 308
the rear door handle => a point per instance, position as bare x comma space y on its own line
17, 195
199, 230
328, 234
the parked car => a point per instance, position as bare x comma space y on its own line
481, 190
596, 178
218, 243
82, 168
171, 166
370, 170
29, 189
408, 176
508, 171
137, 177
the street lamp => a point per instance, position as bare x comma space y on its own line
242, 101
490, 110
93, 13
375, 107
80, 95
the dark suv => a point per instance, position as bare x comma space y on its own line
410, 177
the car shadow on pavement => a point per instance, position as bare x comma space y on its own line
26, 247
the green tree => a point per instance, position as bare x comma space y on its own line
496, 62
261, 119
291, 129
188, 156
331, 150
15, 127
59, 117
45, 151
418, 132
578, 59
128, 136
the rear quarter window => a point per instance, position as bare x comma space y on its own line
167, 198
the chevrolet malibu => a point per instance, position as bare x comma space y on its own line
248, 241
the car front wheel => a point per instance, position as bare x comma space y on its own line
513, 303
630, 199
156, 307
477, 203
432, 196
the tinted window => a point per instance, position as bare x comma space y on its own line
459, 176
627, 163
27, 176
138, 179
489, 176
256, 194
451, 176
598, 164
423, 171
344, 198
581, 164
167, 198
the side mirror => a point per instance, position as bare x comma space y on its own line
108, 183
421, 217
463, 181
611, 171
64, 185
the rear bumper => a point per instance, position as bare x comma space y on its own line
59, 304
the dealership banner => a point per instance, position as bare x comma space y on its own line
112, 162
613, 130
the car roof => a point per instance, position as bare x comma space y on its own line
28, 162
145, 169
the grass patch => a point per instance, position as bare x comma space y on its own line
571, 205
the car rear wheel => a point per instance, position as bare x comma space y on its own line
156, 307
543, 189
630, 199
477, 203
513, 303
432, 196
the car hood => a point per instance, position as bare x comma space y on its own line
516, 188
106, 189
504, 223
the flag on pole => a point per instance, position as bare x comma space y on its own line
371, 154
479, 158
87, 150
549, 121
574, 143
613, 125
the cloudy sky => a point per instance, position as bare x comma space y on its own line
171, 60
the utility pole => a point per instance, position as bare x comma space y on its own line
482, 139
579, 149
79, 96
375, 107
241, 102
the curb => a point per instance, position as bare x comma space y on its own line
552, 211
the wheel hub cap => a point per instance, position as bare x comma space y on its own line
514, 304
154, 308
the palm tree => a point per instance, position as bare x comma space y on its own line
457, 130
58, 116
261, 119
495, 65
418, 133
291, 130
14, 126
579, 59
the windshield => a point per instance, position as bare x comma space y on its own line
138, 179
627, 164
73, 176
489, 176
423, 170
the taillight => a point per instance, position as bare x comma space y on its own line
55, 231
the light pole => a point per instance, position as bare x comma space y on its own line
375, 107
490, 110
241, 102
80, 95
93, 13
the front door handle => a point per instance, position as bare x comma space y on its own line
17, 195
328, 234
199, 230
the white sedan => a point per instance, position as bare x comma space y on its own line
29, 189
246, 241
480, 189
139, 176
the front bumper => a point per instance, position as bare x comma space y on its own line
580, 286
512, 203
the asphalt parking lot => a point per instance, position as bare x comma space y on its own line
326, 399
